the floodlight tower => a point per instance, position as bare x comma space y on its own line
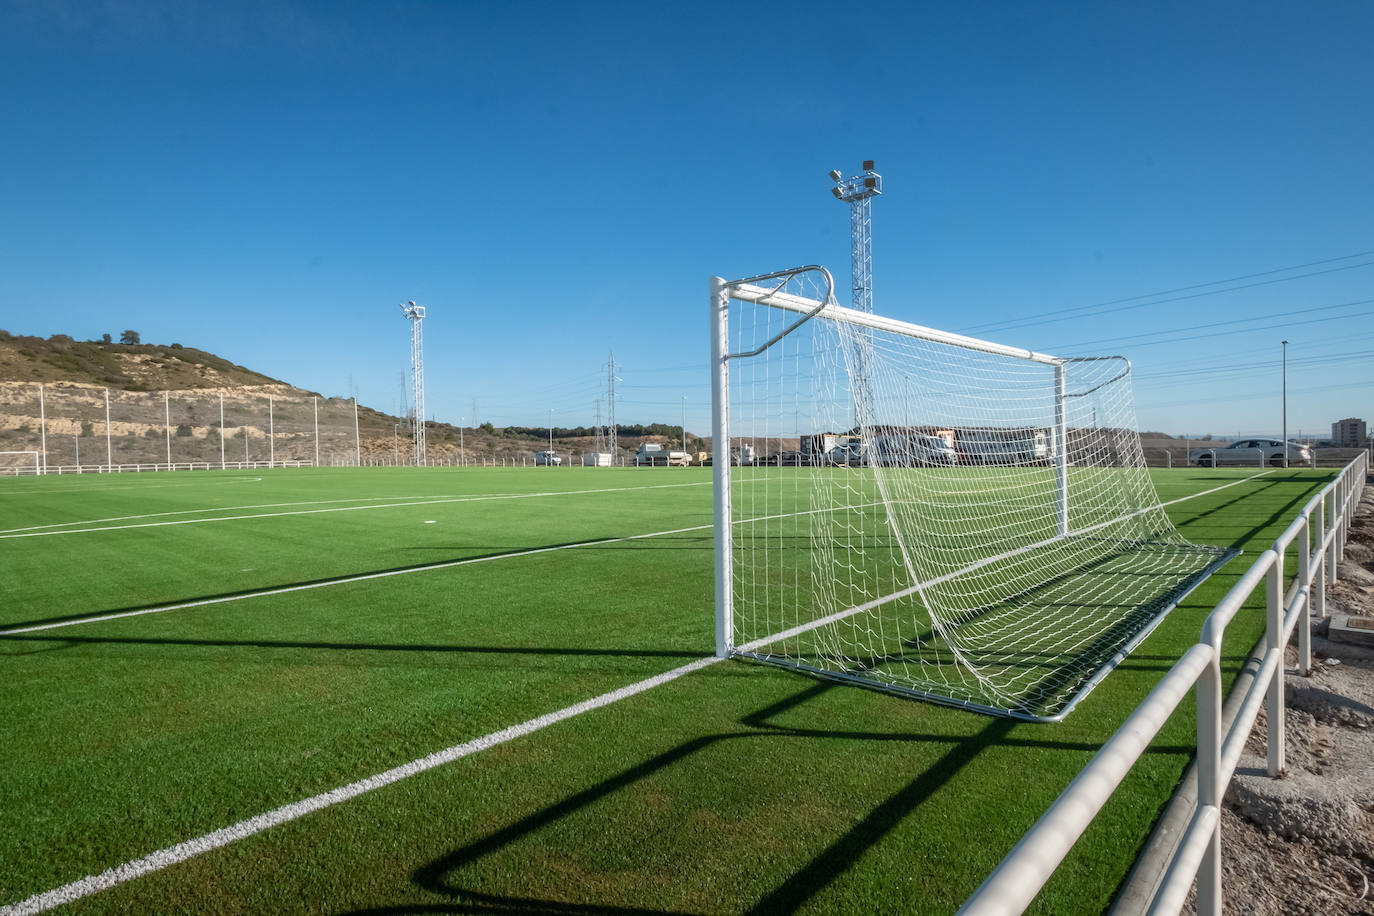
858, 191
416, 315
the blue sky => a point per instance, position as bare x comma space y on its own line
557, 180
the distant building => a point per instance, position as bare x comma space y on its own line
1349, 433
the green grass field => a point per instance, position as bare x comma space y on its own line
343, 622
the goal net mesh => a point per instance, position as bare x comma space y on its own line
900, 515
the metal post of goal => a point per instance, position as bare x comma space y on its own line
1061, 456
720, 461
37, 468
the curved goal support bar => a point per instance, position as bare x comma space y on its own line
775, 296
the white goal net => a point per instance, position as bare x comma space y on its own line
927, 513
14, 464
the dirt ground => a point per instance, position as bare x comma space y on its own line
1304, 843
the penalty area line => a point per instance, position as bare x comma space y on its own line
180, 852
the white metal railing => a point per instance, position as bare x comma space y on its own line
1015, 882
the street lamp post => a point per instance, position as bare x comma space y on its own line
1285, 403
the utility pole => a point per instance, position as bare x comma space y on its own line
1285, 403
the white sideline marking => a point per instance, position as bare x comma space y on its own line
299, 502
838, 615
172, 855
180, 852
419, 502
450, 564
134, 486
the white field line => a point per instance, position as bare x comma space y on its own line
838, 615
450, 564
180, 852
299, 502
171, 855
1006, 555
421, 502
94, 487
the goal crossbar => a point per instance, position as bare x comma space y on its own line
761, 295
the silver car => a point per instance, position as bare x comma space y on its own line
1252, 452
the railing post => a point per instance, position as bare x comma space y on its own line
1273, 642
1319, 585
1333, 521
1209, 787
1305, 592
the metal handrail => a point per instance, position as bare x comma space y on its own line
1020, 876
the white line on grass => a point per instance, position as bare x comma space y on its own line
180, 852
421, 502
299, 502
172, 855
448, 564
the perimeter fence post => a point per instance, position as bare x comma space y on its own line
1273, 642
1320, 582
1305, 594
1209, 787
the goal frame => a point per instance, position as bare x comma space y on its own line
768, 290
37, 463
751, 289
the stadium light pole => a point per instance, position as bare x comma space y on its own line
550, 435
1285, 403
684, 425
396, 444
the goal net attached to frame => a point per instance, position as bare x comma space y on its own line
13, 464
926, 513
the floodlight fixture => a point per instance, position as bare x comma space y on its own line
835, 175
858, 191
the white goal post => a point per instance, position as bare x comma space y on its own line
13, 464
927, 513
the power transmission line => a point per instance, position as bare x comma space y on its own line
1135, 301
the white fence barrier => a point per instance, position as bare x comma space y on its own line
1321, 544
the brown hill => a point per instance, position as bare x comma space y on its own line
130, 367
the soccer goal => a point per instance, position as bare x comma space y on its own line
13, 464
927, 513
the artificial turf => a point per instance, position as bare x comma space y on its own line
738, 788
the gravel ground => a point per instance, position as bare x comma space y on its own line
1304, 843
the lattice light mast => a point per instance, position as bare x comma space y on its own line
613, 437
858, 191
416, 315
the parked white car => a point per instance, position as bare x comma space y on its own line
549, 459
1252, 452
